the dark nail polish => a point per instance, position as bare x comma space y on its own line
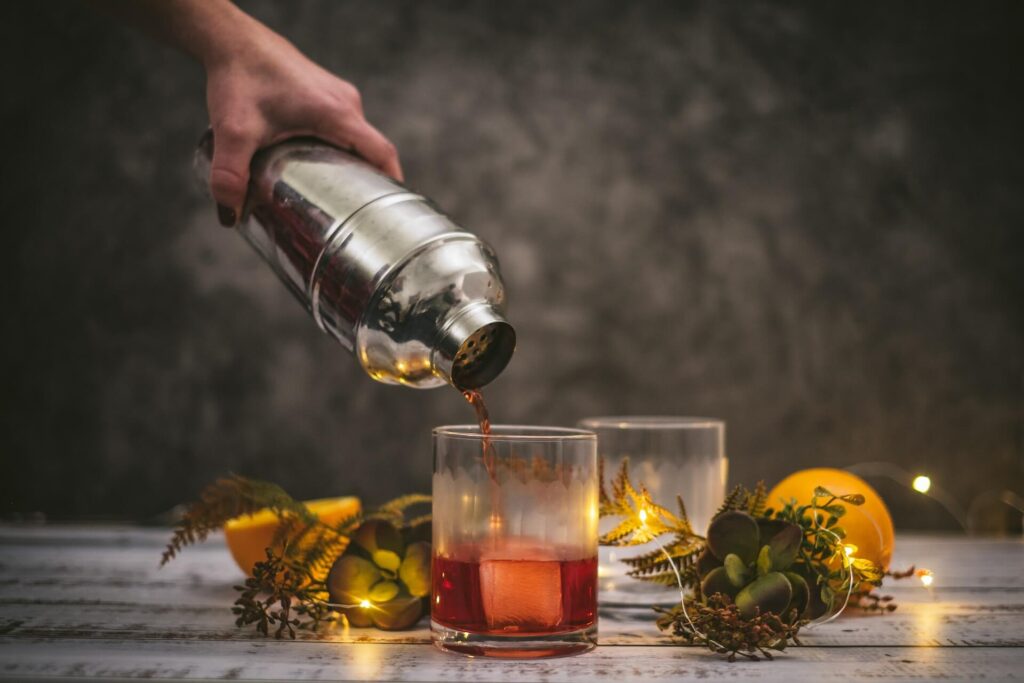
226, 216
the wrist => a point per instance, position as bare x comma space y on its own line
231, 35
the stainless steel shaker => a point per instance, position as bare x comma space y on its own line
417, 299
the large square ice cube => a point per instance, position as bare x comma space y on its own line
521, 595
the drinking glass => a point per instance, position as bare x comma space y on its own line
515, 514
671, 456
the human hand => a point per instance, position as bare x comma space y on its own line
261, 90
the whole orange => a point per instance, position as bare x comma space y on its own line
867, 526
249, 536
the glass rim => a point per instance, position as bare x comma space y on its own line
679, 422
503, 432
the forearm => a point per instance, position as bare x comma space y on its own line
210, 31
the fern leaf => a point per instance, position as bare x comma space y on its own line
622, 530
733, 501
757, 500
224, 499
400, 504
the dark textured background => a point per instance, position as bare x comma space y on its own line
803, 218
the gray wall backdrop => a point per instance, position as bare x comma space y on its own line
803, 218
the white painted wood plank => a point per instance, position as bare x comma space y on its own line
91, 602
935, 624
126, 557
272, 660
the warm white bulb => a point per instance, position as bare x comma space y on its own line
926, 580
643, 516
922, 483
364, 603
849, 550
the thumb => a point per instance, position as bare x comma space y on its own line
229, 170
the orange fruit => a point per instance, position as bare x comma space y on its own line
249, 536
867, 526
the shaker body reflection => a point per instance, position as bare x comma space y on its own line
417, 299
515, 541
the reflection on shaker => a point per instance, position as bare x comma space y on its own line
417, 299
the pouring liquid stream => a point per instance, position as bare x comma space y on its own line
490, 460
483, 418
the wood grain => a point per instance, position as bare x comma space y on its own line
92, 602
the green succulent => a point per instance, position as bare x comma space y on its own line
748, 560
383, 577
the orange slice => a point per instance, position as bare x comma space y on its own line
249, 536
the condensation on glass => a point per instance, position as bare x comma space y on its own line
671, 456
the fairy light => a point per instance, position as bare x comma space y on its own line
920, 483
365, 603
926, 576
643, 516
849, 549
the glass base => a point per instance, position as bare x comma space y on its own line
514, 647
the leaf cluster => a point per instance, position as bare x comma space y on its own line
815, 556
641, 520
289, 588
229, 497
718, 625
752, 501
822, 555
281, 594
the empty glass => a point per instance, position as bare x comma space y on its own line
671, 456
515, 541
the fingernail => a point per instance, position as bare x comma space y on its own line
226, 216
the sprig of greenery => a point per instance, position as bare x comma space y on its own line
224, 499
753, 502
715, 621
287, 589
641, 520
822, 552
279, 593
717, 625
872, 601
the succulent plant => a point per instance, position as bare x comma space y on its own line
749, 561
383, 577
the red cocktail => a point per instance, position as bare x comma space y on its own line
515, 542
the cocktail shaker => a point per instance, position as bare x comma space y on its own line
417, 299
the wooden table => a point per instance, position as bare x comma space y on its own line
91, 602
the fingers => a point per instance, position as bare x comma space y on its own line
367, 141
233, 147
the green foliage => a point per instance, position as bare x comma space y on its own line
289, 589
742, 499
641, 520
761, 573
718, 625
229, 497
277, 593
383, 577
754, 558
821, 556
736, 532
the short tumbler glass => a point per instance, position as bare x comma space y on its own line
515, 517
671, 456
